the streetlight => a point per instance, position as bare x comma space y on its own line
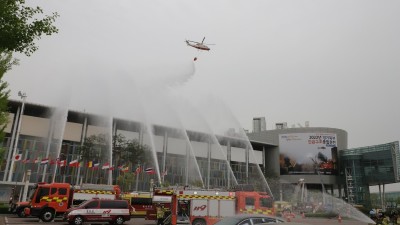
14, 152
302, 184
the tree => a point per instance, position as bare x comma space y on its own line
93, 148
125, 152
6, 62
273, 183
20, 26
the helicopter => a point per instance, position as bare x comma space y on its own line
198, 45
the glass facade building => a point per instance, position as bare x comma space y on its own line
366, 166
184, 157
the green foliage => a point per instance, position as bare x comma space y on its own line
124, 180
94, 147
6, 62
20, 26
273, 182
196, 183
125, 152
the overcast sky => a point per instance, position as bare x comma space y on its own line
332, 63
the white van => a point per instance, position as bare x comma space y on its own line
99, 210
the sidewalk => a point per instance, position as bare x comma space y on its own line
2, 222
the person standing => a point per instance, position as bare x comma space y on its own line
160, 214
372, 214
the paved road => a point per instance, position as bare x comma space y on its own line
14, 220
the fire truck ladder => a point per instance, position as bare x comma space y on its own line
350, 186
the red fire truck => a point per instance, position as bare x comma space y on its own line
326, 167
50, 200
140, 201
200, 207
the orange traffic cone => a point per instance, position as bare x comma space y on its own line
339, 218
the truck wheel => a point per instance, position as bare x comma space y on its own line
199, 222
78, 220
47, 215
119, 220
21, 213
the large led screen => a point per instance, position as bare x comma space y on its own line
308, 153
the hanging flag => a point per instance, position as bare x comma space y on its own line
17, 157
44, 161
90, 164
125, 169
37, 160
74, 163
111, 168
53, 162
150, 170
59, 161
105, 166
120, 167
96, 165
26, 160
138, 170
62, 163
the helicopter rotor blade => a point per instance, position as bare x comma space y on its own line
203, 40
193, 42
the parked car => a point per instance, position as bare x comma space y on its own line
99, 210
250, 219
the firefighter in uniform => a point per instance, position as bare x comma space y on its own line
160, 214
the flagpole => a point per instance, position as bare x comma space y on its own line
91, 176
137, 178
14, 152
73, 176
37, 172
55, 170
79, 170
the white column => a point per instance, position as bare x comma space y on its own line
23, 96
11, 147
27, 178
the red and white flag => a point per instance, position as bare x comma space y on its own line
62, 163
125, 169
74, 163
96, 165
17, 157
44, 161
138, 170
105, 166
150, 170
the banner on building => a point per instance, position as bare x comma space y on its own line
308, 153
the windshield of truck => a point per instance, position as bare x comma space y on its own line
42, 192
266, 202
31, 193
